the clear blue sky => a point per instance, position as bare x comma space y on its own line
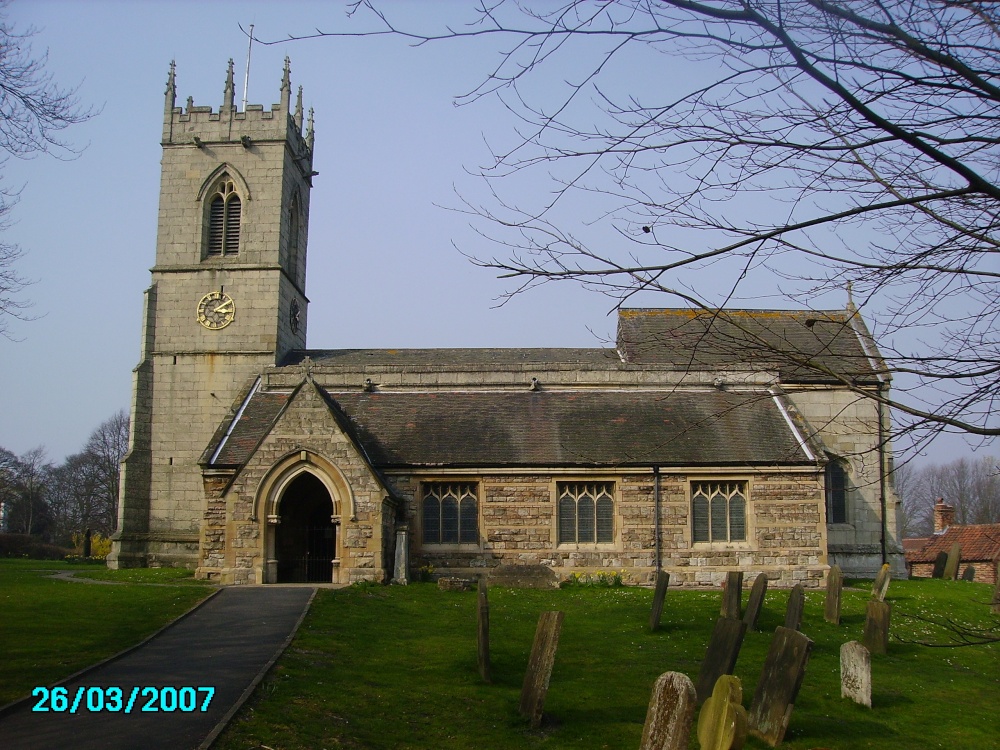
391, 150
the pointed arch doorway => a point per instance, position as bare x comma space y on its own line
305, 540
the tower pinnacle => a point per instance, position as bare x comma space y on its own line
286, 86
229, 95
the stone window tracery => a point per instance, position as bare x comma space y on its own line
719, 511
450, 513
586, 512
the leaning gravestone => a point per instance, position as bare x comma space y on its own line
876, 636
662, 582
780, 680
796, 603
881, 586
732, 592
670, 713
756, 601
969, 574
954, 561
939, 564
856, 673
834, 588
720, 658
722, 724
540, 663
483, 631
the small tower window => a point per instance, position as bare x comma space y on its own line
224, 217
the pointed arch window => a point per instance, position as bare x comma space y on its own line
586, 512
450, 513
225, 214
836, 491
719, 511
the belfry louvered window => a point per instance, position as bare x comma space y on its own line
586, 512
450, 513
719, 511
224, 216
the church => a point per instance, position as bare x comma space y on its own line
701, 442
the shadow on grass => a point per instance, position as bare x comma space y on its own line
828, 730
890, 699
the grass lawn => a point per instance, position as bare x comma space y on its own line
50, 628
396, 668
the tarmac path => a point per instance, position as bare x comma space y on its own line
228, 643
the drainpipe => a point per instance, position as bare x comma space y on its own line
881, 470
656, 502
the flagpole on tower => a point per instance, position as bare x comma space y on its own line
246, 78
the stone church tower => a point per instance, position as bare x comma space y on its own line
227, 300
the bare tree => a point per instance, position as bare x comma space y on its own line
34, 110
820, 143
971, 486
915, 512
28, 512
84, 489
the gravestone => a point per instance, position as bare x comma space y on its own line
876, 636
401, 559
834, 588
453, 583
756, 601
524, 576
483, 632
662, 582
969, 574
720, 658
939, 564
796, 603
732, 592
996, 593
670, 713
780, 680
881, 585
722, 723
954, 561
539, 671
856, 673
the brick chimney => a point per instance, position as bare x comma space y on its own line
944, 515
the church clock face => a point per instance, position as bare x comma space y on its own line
216, 310
293, 315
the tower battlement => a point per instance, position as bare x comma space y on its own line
203, 126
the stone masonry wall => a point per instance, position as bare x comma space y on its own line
847, 423
517, 516
235, 529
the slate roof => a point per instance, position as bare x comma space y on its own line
467, 356
980, 543
545, 428
248, 429
805, 346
